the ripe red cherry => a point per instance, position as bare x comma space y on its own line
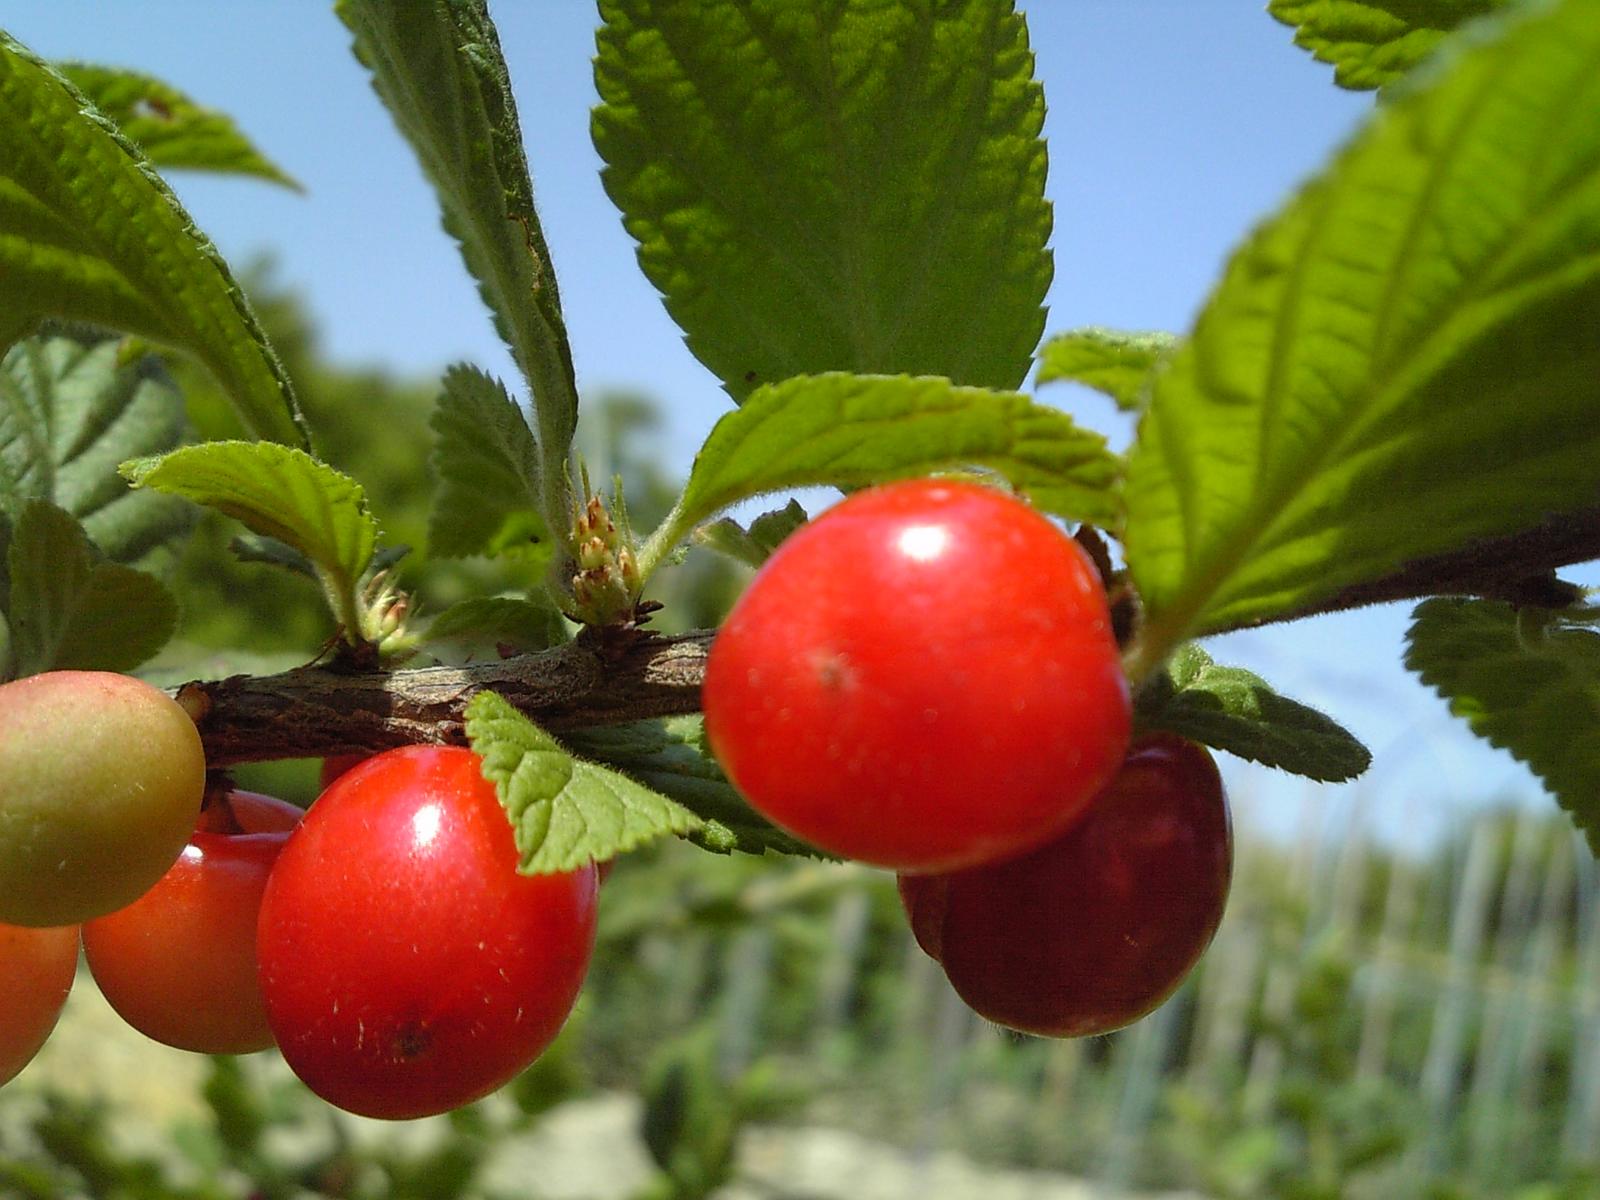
923, 678
1097, 928
179, 963
408, 969
36, 971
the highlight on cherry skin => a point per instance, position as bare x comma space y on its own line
37, 967
407, 968
179, 963
923, 678
103, 780
1097, 928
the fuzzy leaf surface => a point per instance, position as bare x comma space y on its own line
564, 812
1372, 43
853, 430
169, 127
88, 231
854, 185
1529, 684
70, 411
1232, 709
1403, 359
1112, 361
69, 608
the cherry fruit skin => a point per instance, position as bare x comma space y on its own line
923, 678
179, 963
37, 967
408, 968
1097, 928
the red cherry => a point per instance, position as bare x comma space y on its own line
36, 972
179, 963
1097, 928
923, 678
408, 968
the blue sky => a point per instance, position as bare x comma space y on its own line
1173, 127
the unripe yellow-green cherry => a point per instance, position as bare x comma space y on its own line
101, 778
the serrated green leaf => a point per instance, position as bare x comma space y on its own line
70, 410
1232, 709
278, 492
755, 545
72, 610
845, 186
91, 233
1403, 360
1372, 43
564, 812
469, 626
860, 429
1112, 361
437, 65
1527, 681
672, 757
170, 128
487, 465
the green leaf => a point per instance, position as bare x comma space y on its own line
469, 626
170, 128
852, 430
671, 756
70, 410
1235, 710
1400, 362
488, 468
1111, 361
755, 545
273, 553
278, 492
1371, 43
72, 610
844, 186
1527, 681
91, 233
564, 812
437, 65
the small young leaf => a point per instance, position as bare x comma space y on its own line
488, 471
468, 627
564, 812
277, 492
1111, 361
171, 129
1371, 43
1400, 362
859, 429
72, 610
437, 65
1527, 681
1232, 709
671, 756
93, 234
755, 545
848, 186
273, 553
70, 411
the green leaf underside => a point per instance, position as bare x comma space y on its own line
564, 812
169, 127
437, 66
487, 465
277, 492
88, 231
70, 609
1403, 360
855, 185
495, 621
1229, 708
1112, 361
70, 412
1372, 43
1528, 685
670, 756
752, 546
852, 430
